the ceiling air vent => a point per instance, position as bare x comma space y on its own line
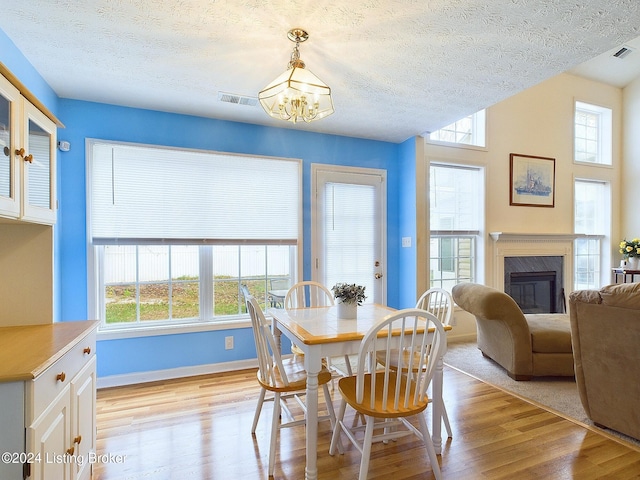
238, 99
623, 52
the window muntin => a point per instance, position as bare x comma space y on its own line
592, 134
175, 252
456, 219
469, 130
591, 203
147, 284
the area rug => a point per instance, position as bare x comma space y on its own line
557, 394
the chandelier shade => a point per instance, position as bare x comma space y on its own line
297, 94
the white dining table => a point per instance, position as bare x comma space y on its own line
319, 333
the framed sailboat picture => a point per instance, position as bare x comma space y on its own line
532, 180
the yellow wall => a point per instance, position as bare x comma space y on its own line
539, 121
630, 184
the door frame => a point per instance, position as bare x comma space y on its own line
339, 169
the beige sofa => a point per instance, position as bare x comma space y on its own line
605, 328
526, 345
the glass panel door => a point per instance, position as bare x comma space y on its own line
350, 226
6, 187
9, 126
38, 166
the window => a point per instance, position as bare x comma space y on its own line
592, 134
456, 220
175, 248
592, 202
466, 131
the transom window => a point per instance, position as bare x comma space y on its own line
592, 134
456, 220
173, 232
469, 130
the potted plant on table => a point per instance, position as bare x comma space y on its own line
630, 250
348, 296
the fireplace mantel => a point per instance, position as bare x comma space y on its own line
534, 237
533, 244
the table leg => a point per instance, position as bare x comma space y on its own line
277, 335
313, 365
436, 429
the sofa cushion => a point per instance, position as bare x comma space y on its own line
550, 332
624, 295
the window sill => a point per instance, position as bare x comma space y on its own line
174, 329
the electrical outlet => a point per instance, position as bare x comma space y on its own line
406, 242
228, 343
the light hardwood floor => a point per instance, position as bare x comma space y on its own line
199, 427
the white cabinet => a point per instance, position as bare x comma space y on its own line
61, 412
83, 419
27, 159
48, 440
50, 428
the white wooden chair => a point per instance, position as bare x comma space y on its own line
285, 378
313, 294
438, 302
387, 394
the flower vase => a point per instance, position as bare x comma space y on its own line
633, 263
347, 311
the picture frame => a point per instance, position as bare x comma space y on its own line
532, 180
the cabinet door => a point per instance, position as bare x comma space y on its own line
38, 166
83, 419
10, 107
48, 441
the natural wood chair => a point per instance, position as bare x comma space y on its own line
387, 395
285, 378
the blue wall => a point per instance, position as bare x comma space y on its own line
406, 221
84, 120
92, 120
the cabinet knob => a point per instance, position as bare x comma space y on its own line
78, 439
87, 350
28, 158
20, 152
70, 450
61, 376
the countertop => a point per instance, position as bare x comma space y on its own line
26, 352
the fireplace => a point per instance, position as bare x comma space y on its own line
546, 255
535, 283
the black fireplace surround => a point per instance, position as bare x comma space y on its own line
535, 283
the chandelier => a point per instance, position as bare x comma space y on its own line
297, 94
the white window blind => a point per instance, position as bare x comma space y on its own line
147, 194
350, 234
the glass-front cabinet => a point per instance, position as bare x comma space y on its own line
27, 159
10, 101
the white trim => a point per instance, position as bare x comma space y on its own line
172, 329
533, 245
172, 373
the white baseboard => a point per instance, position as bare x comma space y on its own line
171, 373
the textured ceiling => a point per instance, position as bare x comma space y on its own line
397, 68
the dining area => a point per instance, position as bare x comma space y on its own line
382, 364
